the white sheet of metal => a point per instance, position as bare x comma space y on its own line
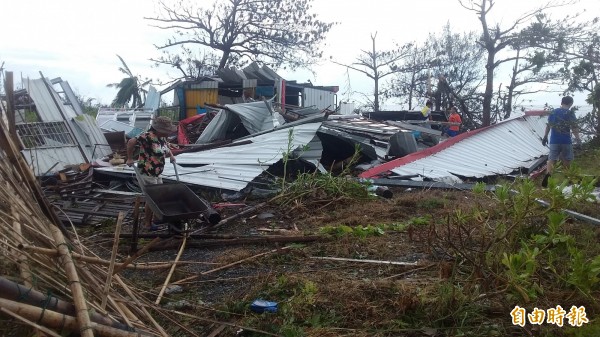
232, 168
226, 177
43, 159
500, 149
265, 149
321, 99
90, 137
45, 102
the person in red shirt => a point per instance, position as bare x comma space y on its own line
454, 117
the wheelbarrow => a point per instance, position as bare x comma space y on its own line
176, 204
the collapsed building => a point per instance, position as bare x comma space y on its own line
239, 124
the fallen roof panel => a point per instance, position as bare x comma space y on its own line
232, 168
45, 159
498, 149
45, 101
265, 149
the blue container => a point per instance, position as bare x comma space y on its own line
260, 306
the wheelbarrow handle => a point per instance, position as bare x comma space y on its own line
176, 173
138, 176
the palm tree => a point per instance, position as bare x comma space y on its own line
131, 89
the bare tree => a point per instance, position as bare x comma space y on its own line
276, 32
495, 39
189, 65
377, 65
534, 67
412, 82
448, 67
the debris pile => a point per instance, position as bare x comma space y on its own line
52, 281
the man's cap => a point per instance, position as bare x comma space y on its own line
163, 124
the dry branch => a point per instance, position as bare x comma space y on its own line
228, 265
162, 291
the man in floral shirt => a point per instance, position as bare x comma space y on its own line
151, 160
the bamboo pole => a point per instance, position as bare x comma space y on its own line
162, 290
56, 320
136, 255
14, 292
30, 323
120, 310
96, 260
140, 306
127, 314
136, 224
113, 256
28, 178
83, 318
229, 265
21, 258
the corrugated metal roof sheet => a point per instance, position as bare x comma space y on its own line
321, 99
495, 150
265, 149
226, 177
364, 126
255, 117
42, 160
312, 153
90, 137
45, 101
232, 168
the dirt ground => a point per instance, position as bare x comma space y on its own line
321, 297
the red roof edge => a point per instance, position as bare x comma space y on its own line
377, 171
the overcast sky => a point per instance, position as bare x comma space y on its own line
78, 39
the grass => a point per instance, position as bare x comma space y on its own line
587, 160
479, 254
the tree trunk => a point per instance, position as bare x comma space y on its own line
410, 91
489, 87
511, 88
224, 59
376, 75
489, 66
376, 95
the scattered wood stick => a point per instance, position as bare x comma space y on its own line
140, 306
217, 331
409, 271
261, 240
113, 257
118, 266
136, 255
394, 263
135, 227
229, 265
162, 290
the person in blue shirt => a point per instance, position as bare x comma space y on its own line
561, 122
